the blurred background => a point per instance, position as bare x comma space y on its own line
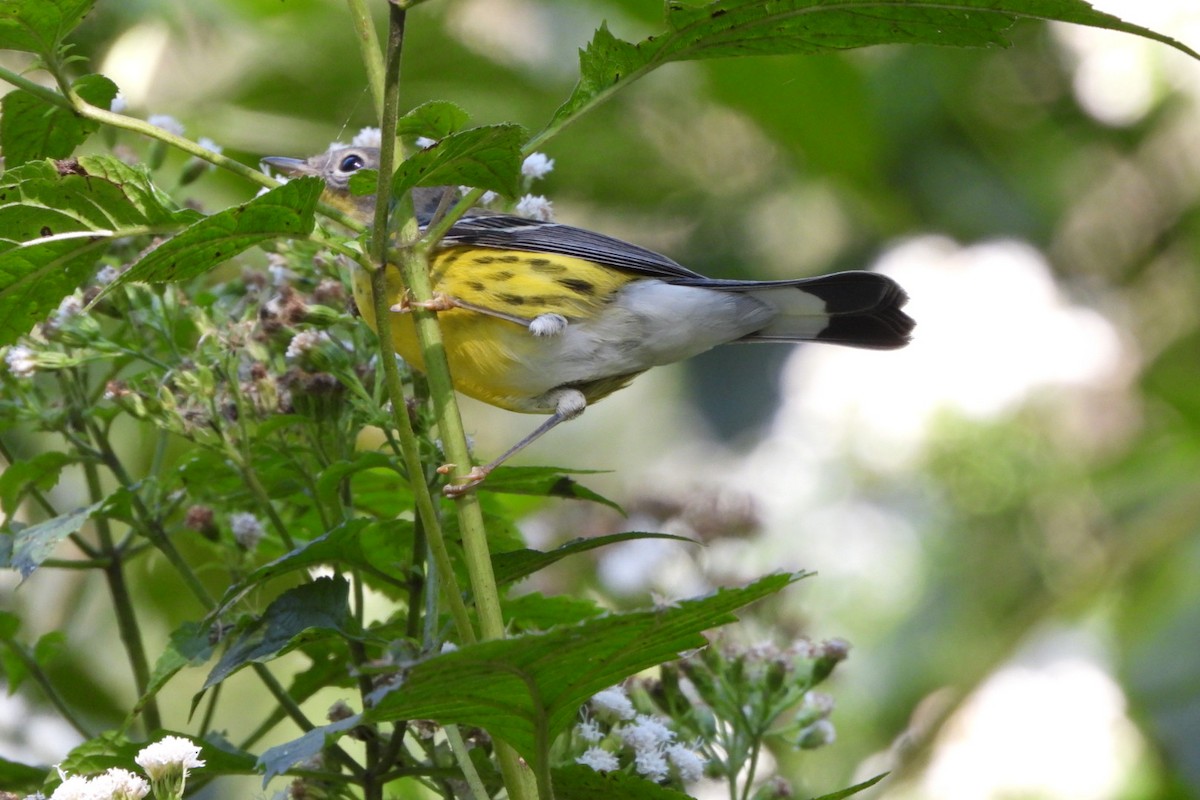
1003, 516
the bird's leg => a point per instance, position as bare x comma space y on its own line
439, 302
568, 404
541, 325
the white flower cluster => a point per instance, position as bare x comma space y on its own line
651, 743
166, 764
306, 341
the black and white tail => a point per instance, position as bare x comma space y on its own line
859, 309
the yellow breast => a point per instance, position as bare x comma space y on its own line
489, 354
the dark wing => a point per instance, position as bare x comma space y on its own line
504, 232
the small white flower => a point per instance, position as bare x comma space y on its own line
687, 762
535, 206
167, 762
118, 104
304, 341
449, 647
536, 166
424, 142
168, 754
367, 137
21, 361
210, 145
613, 702
119, 784
167, 123
646, 733
73, 787
598, 759
589, 731
651, 764
247, 530
485, 199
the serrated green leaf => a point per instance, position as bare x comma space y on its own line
517, 564
40, 472
728, 28
487, 157
528, 689
39, 26
584, 783
316, 608
436, 119
33, 545
544, 482
285, 211
850, 791
35, 129
56, 218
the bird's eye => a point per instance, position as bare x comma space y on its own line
351, 163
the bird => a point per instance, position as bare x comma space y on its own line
541, 317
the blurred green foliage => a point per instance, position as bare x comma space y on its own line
1021, 525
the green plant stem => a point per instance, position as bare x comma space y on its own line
127, 626
411, 453
464, 760
36, 89
414, 267
379, 290
114, 570
364, 27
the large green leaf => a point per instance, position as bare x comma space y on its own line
56, 218
35, 129
526, 690
39, 26
487, 157
297, 615
780, 27
285, 211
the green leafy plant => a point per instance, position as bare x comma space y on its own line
255, 392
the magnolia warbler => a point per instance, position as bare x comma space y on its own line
545, 318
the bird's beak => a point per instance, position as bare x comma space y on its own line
289, 166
